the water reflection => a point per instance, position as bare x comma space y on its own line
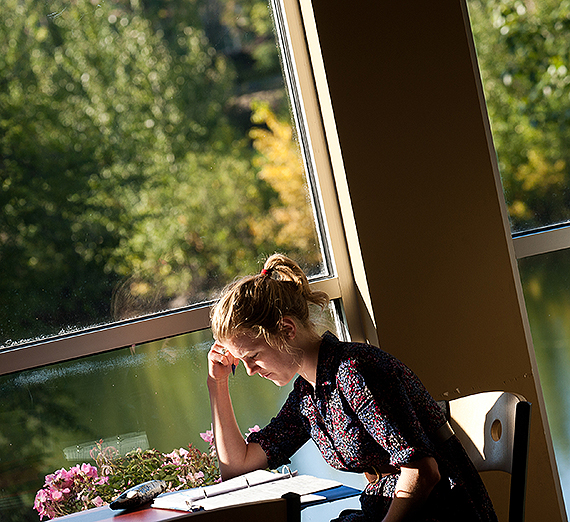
546, 283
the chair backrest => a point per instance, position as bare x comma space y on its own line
494, 428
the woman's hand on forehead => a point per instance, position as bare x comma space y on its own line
220, 361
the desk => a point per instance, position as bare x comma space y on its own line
279, 510
271, 510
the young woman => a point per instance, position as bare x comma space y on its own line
364, 409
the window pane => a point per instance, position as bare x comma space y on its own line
523, 50
546, 283
148, 158
148, 396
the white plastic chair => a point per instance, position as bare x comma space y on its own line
494, 428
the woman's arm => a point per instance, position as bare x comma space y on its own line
417, 480
235, 456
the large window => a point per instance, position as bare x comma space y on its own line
523, 50
151, 152
149, 157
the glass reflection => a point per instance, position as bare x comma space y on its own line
546, 283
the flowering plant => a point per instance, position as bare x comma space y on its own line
69, 491
86, 486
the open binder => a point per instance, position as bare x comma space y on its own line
255, 486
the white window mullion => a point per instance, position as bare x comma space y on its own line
541, 241
119, 335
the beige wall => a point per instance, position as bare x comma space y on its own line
430, 218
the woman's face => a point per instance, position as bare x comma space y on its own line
259, 357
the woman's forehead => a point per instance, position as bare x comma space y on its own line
244, 343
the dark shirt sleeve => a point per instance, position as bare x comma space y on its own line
379, 394
285, 434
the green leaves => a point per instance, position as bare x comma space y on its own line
524, 55
110, 137
182, 468
130, 183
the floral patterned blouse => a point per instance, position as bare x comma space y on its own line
369, 411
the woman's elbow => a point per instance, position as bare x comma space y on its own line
419, 478
429, 473
253, 458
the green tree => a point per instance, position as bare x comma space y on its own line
524, 55
96, 115
289, 222
109, 114
204, 240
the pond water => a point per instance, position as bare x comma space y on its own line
546, 283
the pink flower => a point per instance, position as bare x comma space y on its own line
173, 457
255, 429
84, 486
208, 436
183, 452
98, 501
89, 470
41, 496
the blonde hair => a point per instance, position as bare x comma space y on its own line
256, 304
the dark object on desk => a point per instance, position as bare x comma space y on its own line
139, 495
330, 495
293, 507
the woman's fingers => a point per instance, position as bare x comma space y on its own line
223, 355
221, 361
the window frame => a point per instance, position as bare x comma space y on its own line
541, 240
306, 82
